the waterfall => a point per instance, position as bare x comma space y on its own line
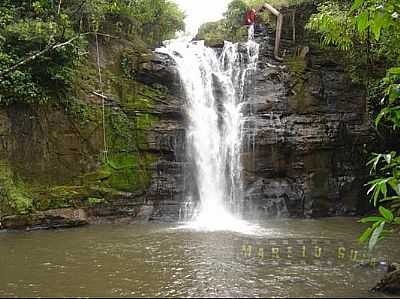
214, 84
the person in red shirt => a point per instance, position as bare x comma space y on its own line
250, 17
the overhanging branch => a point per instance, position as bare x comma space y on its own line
36, 55
46, 50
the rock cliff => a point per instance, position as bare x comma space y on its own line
306, 132
306, 129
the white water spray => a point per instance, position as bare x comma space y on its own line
215, 88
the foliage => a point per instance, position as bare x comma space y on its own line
230, 28
335, 27
368, 32
372, 25
29, 27
390, 106
14, 194
385, 188
376, 231
275, 3
93, 201
22, 33
234, 16
213, 33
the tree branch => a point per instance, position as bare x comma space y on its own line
37, 55
59, 7
48, 49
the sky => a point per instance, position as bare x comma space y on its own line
201, 11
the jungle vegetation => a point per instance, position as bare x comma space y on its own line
43, 42
231, 26
368, 33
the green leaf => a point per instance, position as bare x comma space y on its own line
388, 158
371, 219
395, 184
377, 191
394, 71
387, 214
366, 234
384, 189
395, 205
371, 189
376, 161
362, 21
356, 5
390, 198
375, 236
378, 22
394, 93
380, 116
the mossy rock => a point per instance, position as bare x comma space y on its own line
301, 100
60, 197
93, 201
97, 176
129, 116
14, 196
128, 172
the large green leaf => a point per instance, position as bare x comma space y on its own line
394, 93
371, 219
362, 21
356, 5
388, 158
375, 236
366, 234
394, 71
378, 23
387, 214
395, 184
380, 116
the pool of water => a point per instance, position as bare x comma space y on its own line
165, 260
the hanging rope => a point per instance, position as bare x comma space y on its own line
105, 147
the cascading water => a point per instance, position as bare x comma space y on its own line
215, 87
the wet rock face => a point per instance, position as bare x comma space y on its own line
306, 128
161, 71
167, 140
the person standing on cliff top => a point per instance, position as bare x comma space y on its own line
250, 17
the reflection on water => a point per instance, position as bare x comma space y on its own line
161, 260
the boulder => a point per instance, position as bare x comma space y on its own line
390, 283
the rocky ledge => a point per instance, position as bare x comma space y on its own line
59, 218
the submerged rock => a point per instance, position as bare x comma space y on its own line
59, 218
390, 283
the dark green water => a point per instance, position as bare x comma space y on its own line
160, 260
